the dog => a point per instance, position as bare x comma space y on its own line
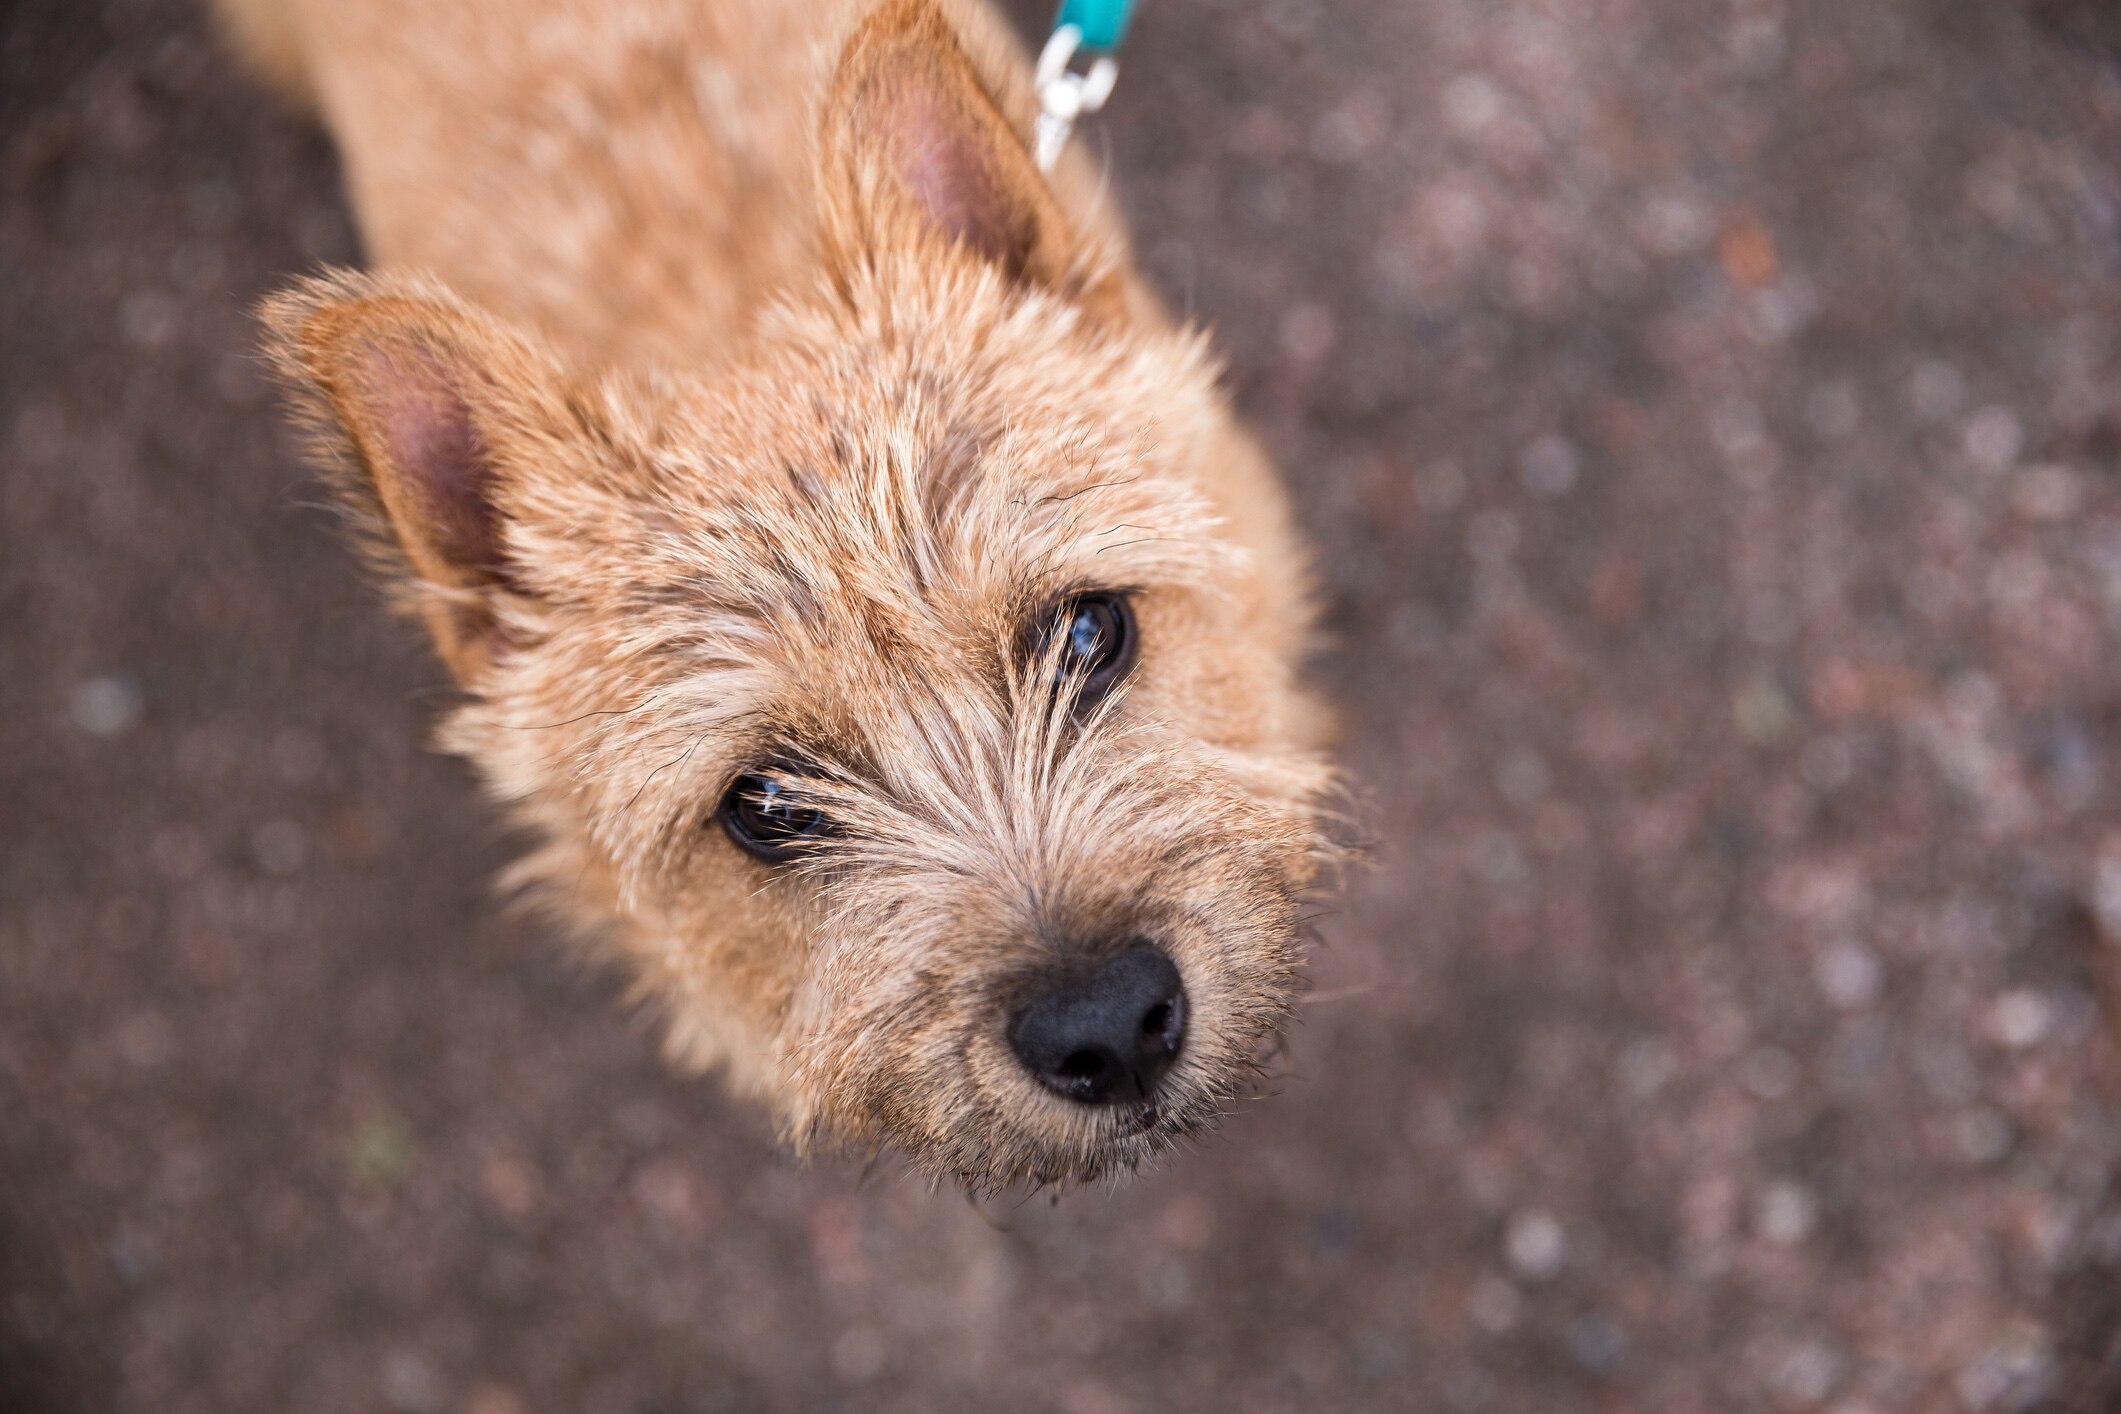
858, 585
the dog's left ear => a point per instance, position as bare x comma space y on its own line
445, 424
915, 148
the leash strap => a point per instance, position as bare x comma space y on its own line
1103, 22
1092, 27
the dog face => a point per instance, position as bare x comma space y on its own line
911, 698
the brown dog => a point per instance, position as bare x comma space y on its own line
857, 583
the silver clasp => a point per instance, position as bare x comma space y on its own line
1065, 95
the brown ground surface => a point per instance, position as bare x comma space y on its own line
1709, 415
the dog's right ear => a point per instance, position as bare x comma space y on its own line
917, 151
437, 412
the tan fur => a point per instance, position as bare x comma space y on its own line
795, 398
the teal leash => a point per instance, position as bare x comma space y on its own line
1103, 22
1091, 27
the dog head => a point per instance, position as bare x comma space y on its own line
910, 695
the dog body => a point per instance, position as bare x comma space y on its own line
859, 586
630, 178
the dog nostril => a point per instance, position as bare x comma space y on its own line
1108, 1037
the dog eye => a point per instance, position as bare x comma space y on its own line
769, 820
1097, 642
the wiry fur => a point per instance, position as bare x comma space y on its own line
816, 515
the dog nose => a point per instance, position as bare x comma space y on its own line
1109, 1037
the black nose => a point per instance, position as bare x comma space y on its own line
1106, 1038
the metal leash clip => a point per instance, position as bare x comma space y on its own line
1082, 27
1065, 95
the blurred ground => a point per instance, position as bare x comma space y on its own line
1709, 413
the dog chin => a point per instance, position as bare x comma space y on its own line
1122, 1140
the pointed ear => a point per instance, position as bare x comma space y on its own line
432, 409
915, 148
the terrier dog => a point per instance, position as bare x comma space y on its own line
858, 585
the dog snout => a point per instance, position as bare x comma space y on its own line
1107, 1036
